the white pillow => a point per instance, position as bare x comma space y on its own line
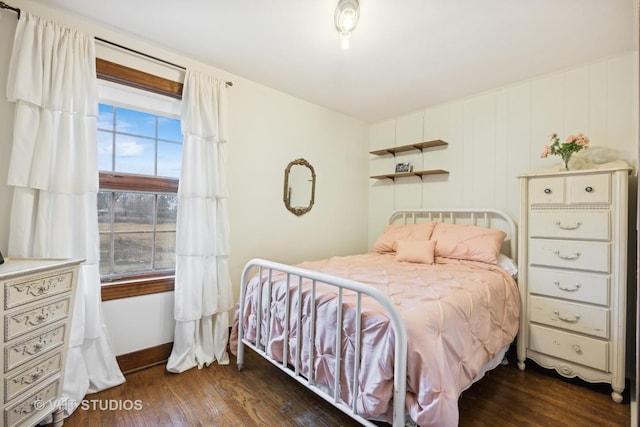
508, 265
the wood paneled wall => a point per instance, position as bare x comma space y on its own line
497, 135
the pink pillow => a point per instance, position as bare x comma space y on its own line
468, 242
421, 251
386, 242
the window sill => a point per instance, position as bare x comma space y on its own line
128, 288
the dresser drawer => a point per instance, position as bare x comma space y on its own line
582, 287
581, 318
24, 321
578, 189
35, 287
546, 190
587, 189
590, 256
19, 353
565, 345
583, 224
33, 405
35, 374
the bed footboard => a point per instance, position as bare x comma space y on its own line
295, 277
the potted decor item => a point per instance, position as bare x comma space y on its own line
565, 150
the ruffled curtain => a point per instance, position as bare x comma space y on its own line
202, 285
53, 169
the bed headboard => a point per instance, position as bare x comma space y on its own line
490, 218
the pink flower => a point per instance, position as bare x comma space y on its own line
573, 144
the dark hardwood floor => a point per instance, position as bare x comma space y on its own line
261, 395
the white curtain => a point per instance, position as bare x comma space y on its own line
203, 288
53, 169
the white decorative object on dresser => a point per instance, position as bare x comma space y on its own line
37, 306
573, 273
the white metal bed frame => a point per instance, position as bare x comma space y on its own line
490, 218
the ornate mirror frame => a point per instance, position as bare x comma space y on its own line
287, 202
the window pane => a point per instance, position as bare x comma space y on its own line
137, 227
133, 212
169, 159
135, 155
169, 129
105, 254
132, 252
105, 117
105, 151
165, 250
104, 211
167, 212
135, 122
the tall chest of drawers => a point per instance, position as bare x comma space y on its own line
573, 273
37, 305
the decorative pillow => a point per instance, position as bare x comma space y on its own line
468, 242
421, 251
394, 232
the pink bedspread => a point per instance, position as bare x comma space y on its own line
458, 316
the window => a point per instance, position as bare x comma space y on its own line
139, 157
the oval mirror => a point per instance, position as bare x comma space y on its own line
299, 186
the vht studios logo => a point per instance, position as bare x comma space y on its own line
90, 405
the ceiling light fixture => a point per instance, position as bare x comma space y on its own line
346, 19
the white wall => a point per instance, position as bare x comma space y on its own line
497, 135
267, 129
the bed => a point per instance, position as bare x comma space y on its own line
407, 327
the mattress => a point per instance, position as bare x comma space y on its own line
459, 315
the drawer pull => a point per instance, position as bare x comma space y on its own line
547, 191
37, 374
575, 255
29, 378
576, 348
562, 288
573, 319
567, 227
588, 189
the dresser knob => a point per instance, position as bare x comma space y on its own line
547, 191
576, 348
37, 374
588, 189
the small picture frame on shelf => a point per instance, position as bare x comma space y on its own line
403, 167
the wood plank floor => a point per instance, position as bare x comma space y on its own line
261, 395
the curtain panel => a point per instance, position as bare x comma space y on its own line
53, 169
203, 293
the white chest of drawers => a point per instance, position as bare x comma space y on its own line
573, 273
37, 305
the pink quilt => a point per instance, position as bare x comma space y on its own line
458, 316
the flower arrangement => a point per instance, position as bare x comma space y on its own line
573, 144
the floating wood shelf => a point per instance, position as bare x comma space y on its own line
393, 176
417, 146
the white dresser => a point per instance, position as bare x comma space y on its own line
37, 304
573, 273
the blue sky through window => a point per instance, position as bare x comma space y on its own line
137, 142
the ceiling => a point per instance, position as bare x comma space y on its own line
405, 55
